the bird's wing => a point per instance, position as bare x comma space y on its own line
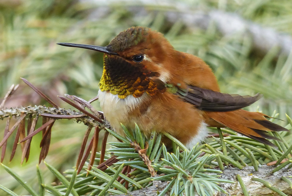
225, 109
208, 100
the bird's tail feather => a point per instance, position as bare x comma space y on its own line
251, 124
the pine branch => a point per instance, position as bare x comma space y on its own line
57, 113
137, 162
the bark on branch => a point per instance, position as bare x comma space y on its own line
253, 187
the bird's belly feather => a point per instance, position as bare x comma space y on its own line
182, 121
117, 110
202, 133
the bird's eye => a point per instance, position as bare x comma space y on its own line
138, 58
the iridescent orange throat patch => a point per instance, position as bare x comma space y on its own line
121, 78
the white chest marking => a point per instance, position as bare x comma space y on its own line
202, 133
116, 109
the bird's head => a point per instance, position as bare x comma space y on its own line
134, 62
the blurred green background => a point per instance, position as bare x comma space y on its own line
242, 58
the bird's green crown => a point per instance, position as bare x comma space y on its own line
128, 38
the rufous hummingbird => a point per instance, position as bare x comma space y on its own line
146, 81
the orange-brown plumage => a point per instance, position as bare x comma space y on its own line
146, 81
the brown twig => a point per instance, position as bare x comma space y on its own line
5, 144
145, 158
29, 125
21, 130
25, 152
125, 169
94, 147
85, 156
45, 133
85, 138
80, 108
14, 145
45, 143
93, 99
38, 130
12, 129
39, 92
108, 163
83, 103
47, 126
128, 175
103, 147
12, 89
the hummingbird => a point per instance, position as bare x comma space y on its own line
146, 81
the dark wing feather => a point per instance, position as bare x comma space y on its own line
209, 100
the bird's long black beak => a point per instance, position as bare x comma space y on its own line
89, 47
